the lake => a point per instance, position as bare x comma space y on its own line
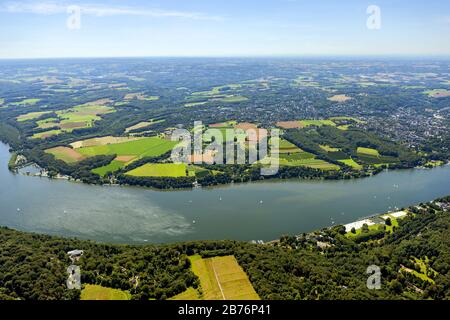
253, 211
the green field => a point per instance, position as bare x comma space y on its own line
113, 166
160, 170
368, 151
221, 278
46, 134
96, 292
195, 104
285, 146
328, 148
318, 123
26, 102
233, 99
31, 116
145, 147
438, 93
78, 117
352, 163
189, 294
304, 159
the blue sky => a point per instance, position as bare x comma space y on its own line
38, 28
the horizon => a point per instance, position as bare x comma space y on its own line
42, 29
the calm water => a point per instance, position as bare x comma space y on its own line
257, 211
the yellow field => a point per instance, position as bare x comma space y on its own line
368, 151
96, 292
339, 98
102, 141
221, 278
65, 154
160, 170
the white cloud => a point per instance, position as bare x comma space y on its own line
50, 8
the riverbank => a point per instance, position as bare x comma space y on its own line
248, 211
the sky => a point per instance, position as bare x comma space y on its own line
145, 28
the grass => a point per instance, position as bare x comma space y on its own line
113, 166
159, 170
346, 119
438, 93
233, 99
221, 278
46, 134
189, 294
78, 117
26, 102
368, 151
195, 104
47, 123
142, 124
328, 148
352, 163
96, 292
31, 116
305, 159
145, 147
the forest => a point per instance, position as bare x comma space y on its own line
34, 266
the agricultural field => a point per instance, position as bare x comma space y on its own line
289, 124
26, 102
221, 278
143, 124
352, 163
339, 98
79, 117
31, 116
232, 99
112, 167
46, 134
195, 104
317, 123
438, 93
189, 294
141, 97
96, 292
173, 170
285, 146
68, 155
302, 159
327, 148
139, 148
101, 141
368, 152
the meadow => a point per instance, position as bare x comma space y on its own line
221, 278
112, 167
160, 170
145, 147
96, 292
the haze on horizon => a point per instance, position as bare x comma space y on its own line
45, 29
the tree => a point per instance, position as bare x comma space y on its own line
388, 222
353, 230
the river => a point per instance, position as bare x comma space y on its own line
253, 211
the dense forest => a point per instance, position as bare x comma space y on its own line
34, 266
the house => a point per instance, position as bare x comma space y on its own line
75, 254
